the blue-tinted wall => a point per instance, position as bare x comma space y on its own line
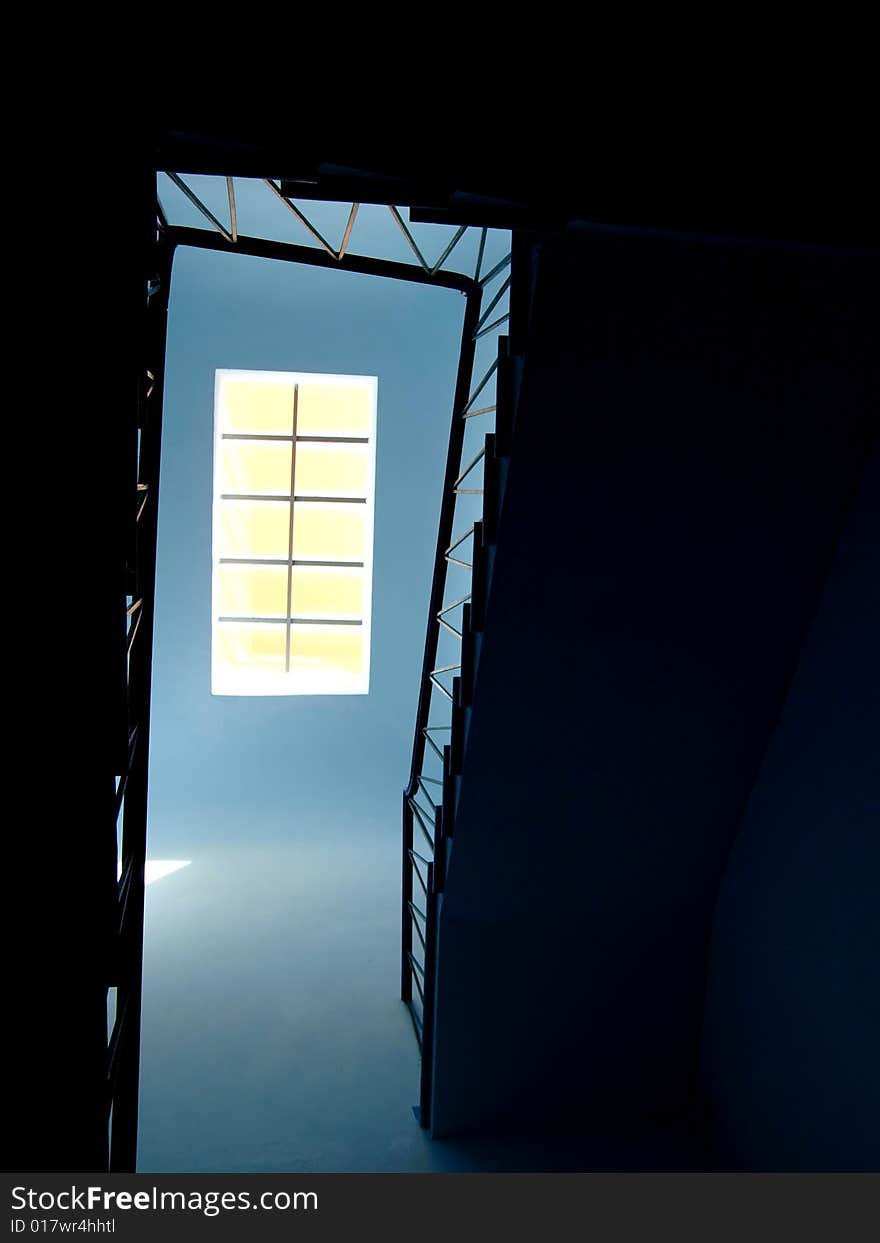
792, 1025
232, 768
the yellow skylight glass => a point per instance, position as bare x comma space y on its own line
255, 466
254, 529
338, 648
252, 591
328, 532
333, 411
292, 574
319, 591
331, 470
254, 405
249, 646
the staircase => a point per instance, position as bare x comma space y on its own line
447, 689
664, 493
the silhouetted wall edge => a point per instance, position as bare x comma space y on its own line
792, 1022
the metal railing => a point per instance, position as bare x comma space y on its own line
466, 529
468, 476
144, 434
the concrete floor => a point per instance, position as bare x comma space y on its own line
272, 1036
273, 1039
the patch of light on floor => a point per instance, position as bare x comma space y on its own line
155, 869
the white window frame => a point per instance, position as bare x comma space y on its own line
248, 682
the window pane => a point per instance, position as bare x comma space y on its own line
333, 410
316, 649
251, 591
331, 470
328, 532
256, 406
254, 585
322, 592
254, 466
253, 529
248, 645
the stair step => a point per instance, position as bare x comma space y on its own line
468, 653
491, 493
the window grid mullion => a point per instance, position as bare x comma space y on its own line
290, 532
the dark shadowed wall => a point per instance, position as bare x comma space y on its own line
691, 423
792, 1023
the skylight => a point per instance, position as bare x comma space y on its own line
294, 465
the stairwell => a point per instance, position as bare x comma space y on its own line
665, 489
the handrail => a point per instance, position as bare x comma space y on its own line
444, 531
432, 743
461, 538
475, 394
418, 982
491, 307
291, 252
470, 466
